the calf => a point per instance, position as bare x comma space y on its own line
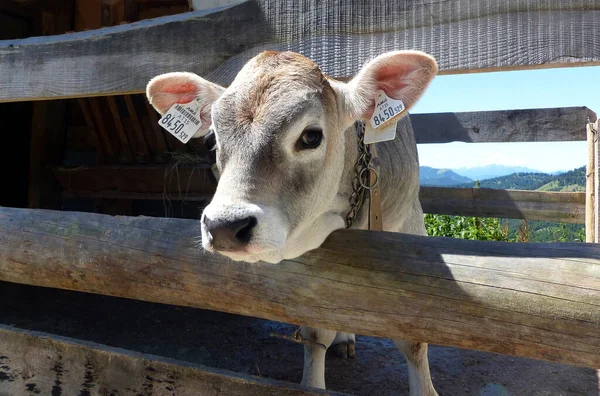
287, 141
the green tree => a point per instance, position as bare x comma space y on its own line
474, 228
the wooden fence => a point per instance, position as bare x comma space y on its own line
497, 297
195, 183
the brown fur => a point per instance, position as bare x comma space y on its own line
275, 75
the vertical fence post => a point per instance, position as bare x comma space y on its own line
597, 181
591, 187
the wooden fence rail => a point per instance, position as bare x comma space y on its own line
540, 301
39, 363
564, 207
339, 36
197, 184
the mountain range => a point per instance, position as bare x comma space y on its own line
440, 177
573, 180
490, 171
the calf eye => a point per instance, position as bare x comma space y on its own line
311, 138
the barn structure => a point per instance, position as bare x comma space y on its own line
87, 147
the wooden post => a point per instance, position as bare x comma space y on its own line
597, 182
590, 186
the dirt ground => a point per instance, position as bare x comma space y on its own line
245, 345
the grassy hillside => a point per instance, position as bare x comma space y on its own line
516, 181
440, 177
572, 181
569, 181
536, 230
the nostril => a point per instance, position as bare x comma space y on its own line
244, 233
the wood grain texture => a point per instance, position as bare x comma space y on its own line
197, 184
48, 124
597, 183
122, 59
464, 36
46, 150
540, 301
590, 185
566, 207
188, 183
530, 125
41, 363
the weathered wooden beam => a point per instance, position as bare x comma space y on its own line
197, 184
566, 207
530, 125
597, 182
125, 147
590, 184
46, 150
40, 363
596, 128
540, 301
464, 35
121, 59
48, 124
189, 183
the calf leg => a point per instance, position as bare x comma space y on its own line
419, 378
318, 340
344, 345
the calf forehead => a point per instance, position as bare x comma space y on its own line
271, 89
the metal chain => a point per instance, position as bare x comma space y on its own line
361, 175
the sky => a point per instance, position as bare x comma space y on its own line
563, 87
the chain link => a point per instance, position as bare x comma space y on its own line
362, 169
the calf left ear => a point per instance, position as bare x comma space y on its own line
164, 90
402, 75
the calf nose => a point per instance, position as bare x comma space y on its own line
229, 235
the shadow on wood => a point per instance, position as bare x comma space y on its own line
533, 300
41, 363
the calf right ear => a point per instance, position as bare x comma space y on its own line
402, 75
164, 90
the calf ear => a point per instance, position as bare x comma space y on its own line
402, 75
164, 90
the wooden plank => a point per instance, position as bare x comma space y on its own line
189, 183
540, 301
597, 182
566, 207
126, 150
484, 35
160, 136
46, 150
137, 129
113, 12
590, 186
530, 125
89, 120
48, 126
88, 14
41, 363
94, 105
197, 184
124, 63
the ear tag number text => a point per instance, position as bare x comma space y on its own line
182, 120
384, 119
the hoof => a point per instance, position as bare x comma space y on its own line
344, 350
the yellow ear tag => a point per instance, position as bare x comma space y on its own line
385, 117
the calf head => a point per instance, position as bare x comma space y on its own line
284, 145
